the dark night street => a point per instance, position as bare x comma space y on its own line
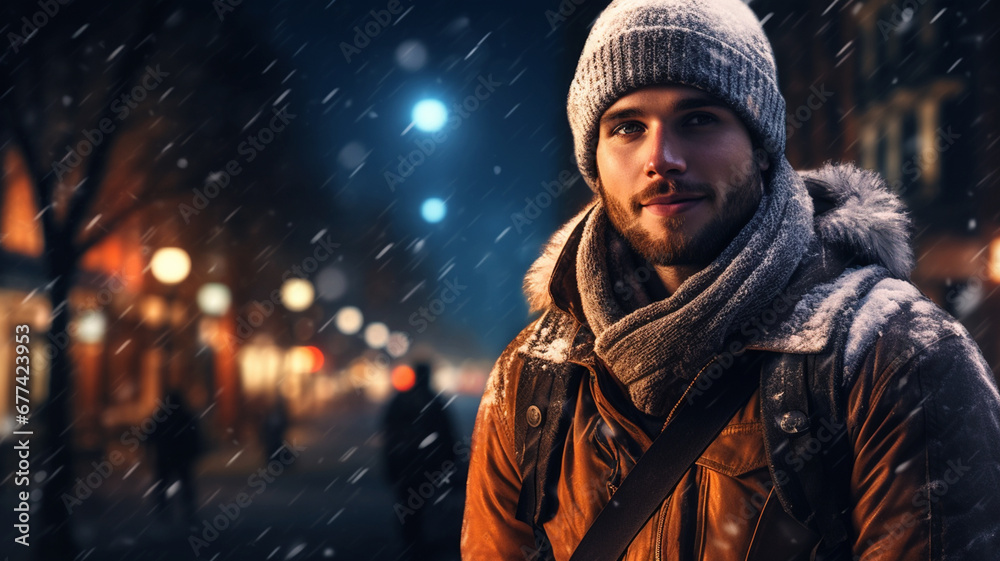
331, 502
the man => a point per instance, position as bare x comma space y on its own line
419, 447
703, 246
178, 443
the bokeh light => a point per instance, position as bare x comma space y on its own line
398, 344
349, 320
411, 55
331, 283
429, 115
170, 265
305, 359
153, 310
318, 358
993, 267
403, 378
91, 326
297, 294
376, 335
352, 155
214, 298
433, 210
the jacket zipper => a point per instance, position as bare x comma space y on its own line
659, 531
665, 507
658, 556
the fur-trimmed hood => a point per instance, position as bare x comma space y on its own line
855, 212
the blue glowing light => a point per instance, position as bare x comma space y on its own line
429, 115
433, 210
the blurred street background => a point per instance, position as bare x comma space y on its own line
276, 211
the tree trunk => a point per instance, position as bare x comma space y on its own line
56, 540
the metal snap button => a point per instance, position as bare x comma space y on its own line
534, 416
794, 422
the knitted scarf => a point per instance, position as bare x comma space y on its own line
652, 345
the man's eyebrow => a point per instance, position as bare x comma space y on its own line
685, 104
626, 113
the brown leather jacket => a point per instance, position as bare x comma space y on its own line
922, 410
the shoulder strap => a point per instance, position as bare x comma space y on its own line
697, 422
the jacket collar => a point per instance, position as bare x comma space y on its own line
861, 227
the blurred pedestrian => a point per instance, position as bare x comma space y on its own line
178, 443
419, 453
273, 428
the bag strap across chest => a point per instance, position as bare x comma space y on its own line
803, 409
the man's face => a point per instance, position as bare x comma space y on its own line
677, 173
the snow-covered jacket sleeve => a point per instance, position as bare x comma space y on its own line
490, 529
925, 426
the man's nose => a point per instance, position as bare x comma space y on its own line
665, 156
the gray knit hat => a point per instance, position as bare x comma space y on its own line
717, 46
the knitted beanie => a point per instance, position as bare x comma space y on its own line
717, 46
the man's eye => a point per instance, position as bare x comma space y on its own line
698, 119
626, 128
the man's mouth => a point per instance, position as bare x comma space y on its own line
672, 205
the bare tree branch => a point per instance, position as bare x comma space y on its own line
113, 223
130, 68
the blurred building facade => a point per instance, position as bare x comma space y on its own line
119, 318
177, 174
907, 88
132, 338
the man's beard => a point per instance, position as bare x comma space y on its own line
674, 249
